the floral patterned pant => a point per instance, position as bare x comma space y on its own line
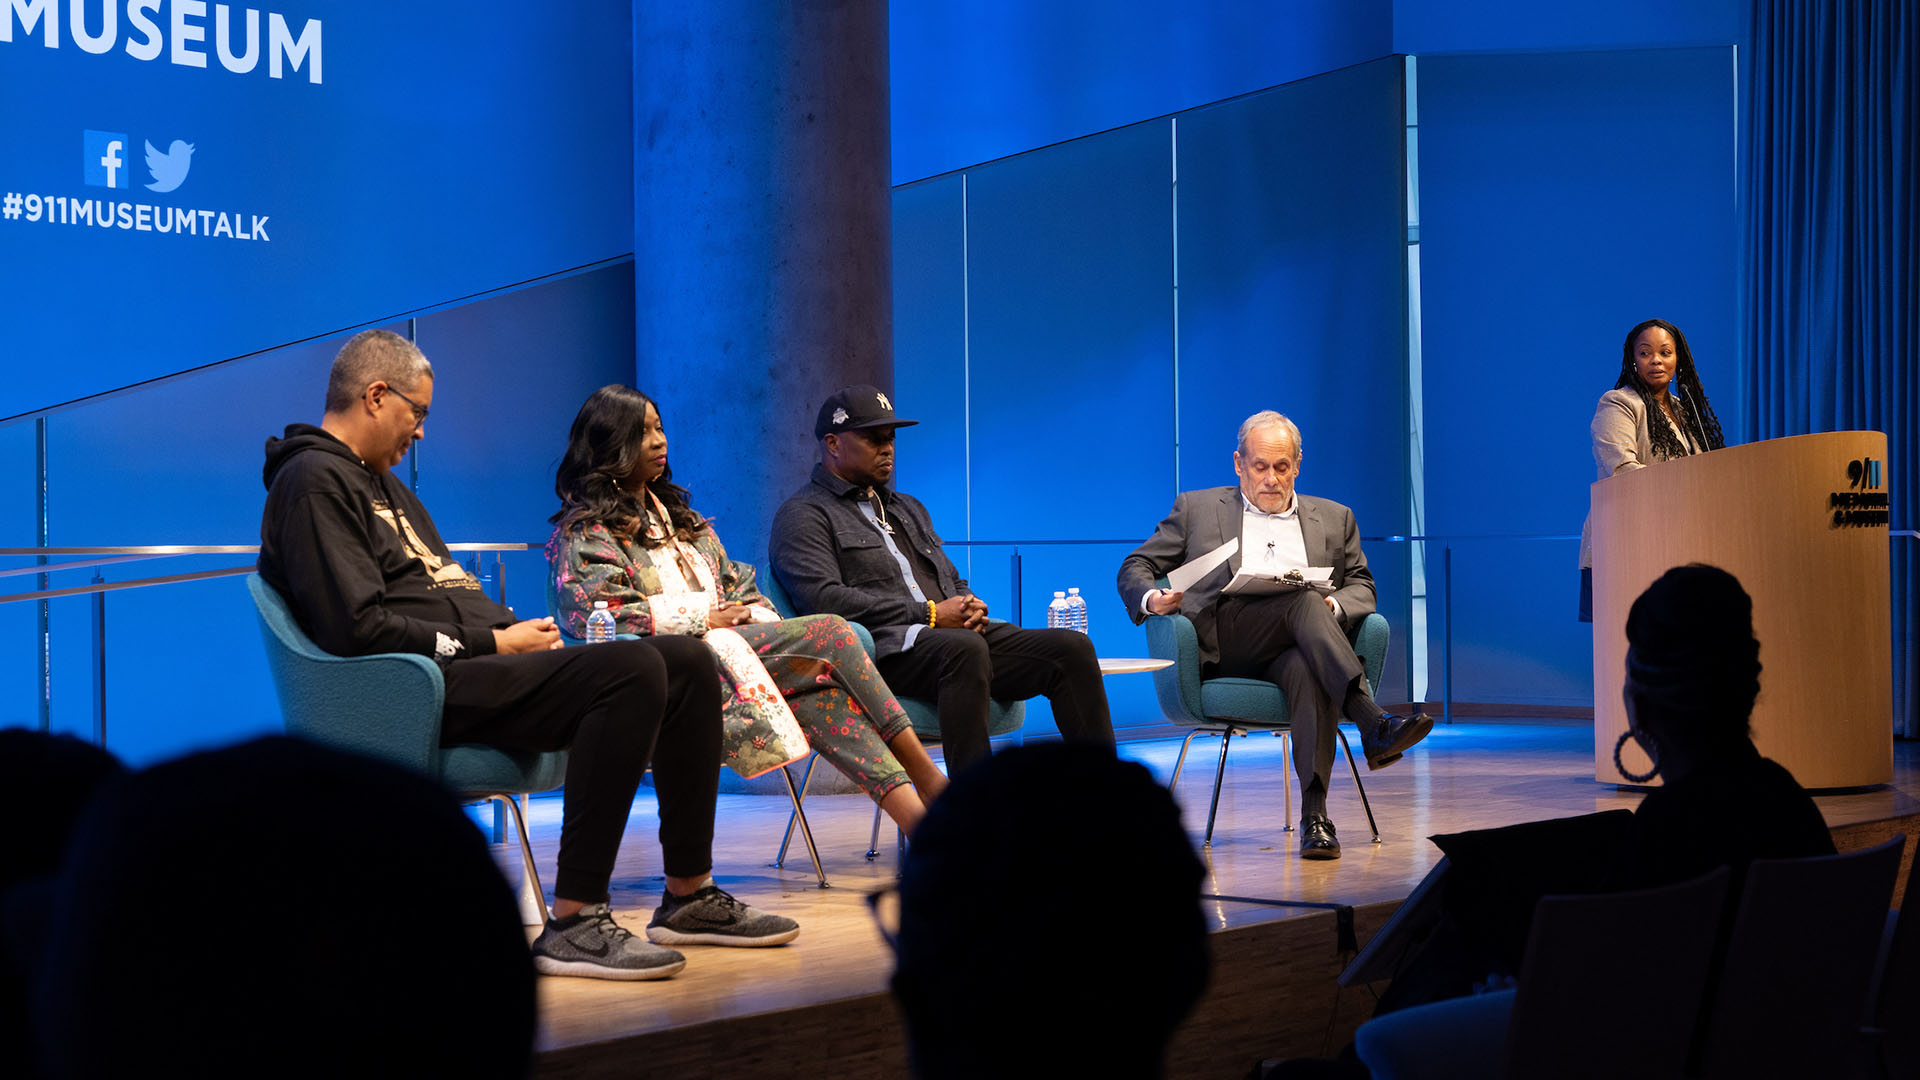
840, 701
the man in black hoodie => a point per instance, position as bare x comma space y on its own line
359, 561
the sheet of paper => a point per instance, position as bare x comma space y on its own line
1182, 578
1261, 583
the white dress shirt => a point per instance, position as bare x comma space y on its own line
1269, 544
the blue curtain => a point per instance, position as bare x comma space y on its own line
1831, 282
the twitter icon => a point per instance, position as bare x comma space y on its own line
169, 169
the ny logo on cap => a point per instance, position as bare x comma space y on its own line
884, 403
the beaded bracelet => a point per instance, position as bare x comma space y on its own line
932, 614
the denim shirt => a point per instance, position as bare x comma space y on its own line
831, 558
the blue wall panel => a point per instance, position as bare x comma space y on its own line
984, 79
1292, 284
930, 352
1069, 268
1435, 26
1565, 197
1515, 640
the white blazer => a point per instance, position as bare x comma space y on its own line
1621, 443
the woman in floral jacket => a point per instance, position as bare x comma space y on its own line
625, 534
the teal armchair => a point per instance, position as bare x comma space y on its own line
388, 706
1230, 706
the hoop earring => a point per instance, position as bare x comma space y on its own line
1622, 769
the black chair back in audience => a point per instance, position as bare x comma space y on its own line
1893, 1037
1615, 979
1792, 994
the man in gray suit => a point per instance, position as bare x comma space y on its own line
1296, 639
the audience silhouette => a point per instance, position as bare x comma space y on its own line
1049, 920
280, 908
1693, 674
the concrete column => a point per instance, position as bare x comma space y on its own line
762, 220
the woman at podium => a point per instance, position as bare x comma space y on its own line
1656, 410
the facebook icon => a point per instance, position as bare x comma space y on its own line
104, 157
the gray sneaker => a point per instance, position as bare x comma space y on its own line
711, 917
593, 946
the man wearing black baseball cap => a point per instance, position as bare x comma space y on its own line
849, 545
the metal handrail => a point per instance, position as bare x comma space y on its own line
210, 549
1438, 537
78, 564
98, 588
114, 555
149, 550
1032, 543
115, 586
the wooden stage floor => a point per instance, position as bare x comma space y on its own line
820, 1004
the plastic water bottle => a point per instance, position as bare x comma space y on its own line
600, 623
1076, 611
1058, 612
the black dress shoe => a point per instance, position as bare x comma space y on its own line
1317, 840
1393, 736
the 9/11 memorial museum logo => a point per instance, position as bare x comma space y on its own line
1865, 505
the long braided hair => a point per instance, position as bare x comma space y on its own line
1691, 401
603, 450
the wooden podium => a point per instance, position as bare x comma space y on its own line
1802, 523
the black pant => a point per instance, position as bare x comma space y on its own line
615, 706
962, 671
1293, 639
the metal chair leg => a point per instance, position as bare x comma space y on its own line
873, 841
533, 899
806, 831
1358, 786
497, 833
1181, 761
780, 860
1219, 774
1286, 789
